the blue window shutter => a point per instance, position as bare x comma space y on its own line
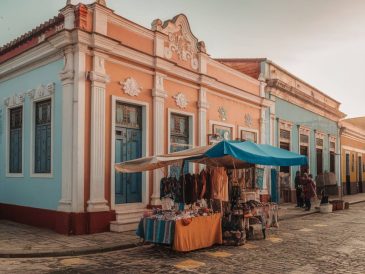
15, 140
43, 138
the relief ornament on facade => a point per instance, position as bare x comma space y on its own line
180, 39
248, 120
131, 86
181, 100
222, 113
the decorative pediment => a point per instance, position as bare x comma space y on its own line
42, 91
14, 100
180, 39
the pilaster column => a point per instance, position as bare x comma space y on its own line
67, 80
202, 113
98, 79
159, 95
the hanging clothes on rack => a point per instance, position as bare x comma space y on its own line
219, 180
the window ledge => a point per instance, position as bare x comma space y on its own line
14, 175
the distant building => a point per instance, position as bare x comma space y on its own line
353, 155
304, 120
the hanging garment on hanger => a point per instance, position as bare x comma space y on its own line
202, 186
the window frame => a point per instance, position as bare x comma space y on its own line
7, 142
191, 119
32, 135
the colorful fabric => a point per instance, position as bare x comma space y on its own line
156, 231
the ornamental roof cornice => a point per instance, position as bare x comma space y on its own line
297, 93
31, 34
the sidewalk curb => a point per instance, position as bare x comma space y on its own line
68, 252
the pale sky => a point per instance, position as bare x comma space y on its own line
320, 41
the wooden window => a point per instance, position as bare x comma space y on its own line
332, 162
319, 161
15, 140
179, 139
43, 138
352, 162
284, 134
285, 146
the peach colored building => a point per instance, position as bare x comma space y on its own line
353, 155
120, 91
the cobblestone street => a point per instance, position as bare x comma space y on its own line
316, 243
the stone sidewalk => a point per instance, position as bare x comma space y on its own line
21, 241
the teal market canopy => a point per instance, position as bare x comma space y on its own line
230, 154
252, 153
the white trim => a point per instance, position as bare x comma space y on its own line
256, 131
145, 150
213, 122
353, 149
32, 135
7, 143
191, 116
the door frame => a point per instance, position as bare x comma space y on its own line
145, 152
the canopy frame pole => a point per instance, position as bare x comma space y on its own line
183, 177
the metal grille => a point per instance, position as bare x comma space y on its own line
42, 150
304, 139
284, 134
128, 116
15, 143
319, 142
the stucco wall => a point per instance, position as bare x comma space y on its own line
299, 116
27, 190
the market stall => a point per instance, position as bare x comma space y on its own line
218, 203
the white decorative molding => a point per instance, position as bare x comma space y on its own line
98, 77
222, 113
67, 73
332, 139
304, 130
131, 86
180, 39
285, 125
248, 120
15, 100
42, 91
319, 135
180, 100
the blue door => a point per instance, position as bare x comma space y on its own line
128, 146
274, 186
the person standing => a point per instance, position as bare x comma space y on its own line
299, 189
309, 190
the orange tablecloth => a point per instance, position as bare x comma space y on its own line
202, 232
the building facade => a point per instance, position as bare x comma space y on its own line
89, 89
353, 155
304, 120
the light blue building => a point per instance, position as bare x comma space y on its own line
304, 120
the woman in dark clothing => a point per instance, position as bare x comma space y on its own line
309, 191
299, 189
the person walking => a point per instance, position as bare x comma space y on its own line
299, 189
309, 190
